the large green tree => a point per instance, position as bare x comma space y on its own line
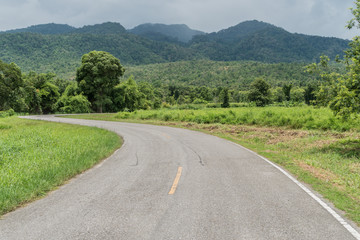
97, 76
11, 83
341, 92
259, 92
41, 94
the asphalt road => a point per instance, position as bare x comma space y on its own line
219, 191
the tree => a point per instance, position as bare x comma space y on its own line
225, 98
297, 94
49, 95
128, 95
151, 100
72, 101
259, 92
41, 94
98, 74
327, 81
309, 94
287, 91
342, 91
10, 86
32, 99
278, 94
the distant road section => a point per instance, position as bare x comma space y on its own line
169, 183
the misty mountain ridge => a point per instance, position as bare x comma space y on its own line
264, 42
54, 28
175, 32
239, 31
49, 28
181, 32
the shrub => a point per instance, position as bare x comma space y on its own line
7, 113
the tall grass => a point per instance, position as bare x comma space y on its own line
294, 117
37, 156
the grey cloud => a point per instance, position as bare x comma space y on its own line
316, 17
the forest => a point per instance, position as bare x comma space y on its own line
185, 84
42, 68
58, 48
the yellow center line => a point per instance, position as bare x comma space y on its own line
176, 181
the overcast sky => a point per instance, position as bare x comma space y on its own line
314, 17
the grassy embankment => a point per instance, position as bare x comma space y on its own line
38, 156
312, 144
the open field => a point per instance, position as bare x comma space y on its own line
316, 147
36, 157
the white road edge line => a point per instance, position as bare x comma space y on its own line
355, 233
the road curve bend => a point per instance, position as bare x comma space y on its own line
169, 183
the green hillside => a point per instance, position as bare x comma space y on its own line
258, 41
237, 75
62, 53
58, 48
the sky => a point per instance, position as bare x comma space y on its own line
312, 17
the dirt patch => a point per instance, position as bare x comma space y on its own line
321, 143
321, 174
355, 168
269, 135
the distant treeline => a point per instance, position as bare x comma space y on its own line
234, 75
217, 84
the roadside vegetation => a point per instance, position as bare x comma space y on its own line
319, 149
38, 156
304, 117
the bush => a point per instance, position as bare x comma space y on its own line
212, 105
75, 104
199, 101
7, 113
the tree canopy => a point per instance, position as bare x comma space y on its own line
98, 74
10, 83
260, 92
341, 92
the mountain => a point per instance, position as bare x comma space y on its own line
259, 41
104, 28
50, 28
58, 48
62, 53
163, 32
240, 31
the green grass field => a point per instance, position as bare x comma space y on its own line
38, 156
312, 144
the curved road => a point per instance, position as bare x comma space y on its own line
223, 192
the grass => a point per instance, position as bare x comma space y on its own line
323, 155
38, 156
294, 117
